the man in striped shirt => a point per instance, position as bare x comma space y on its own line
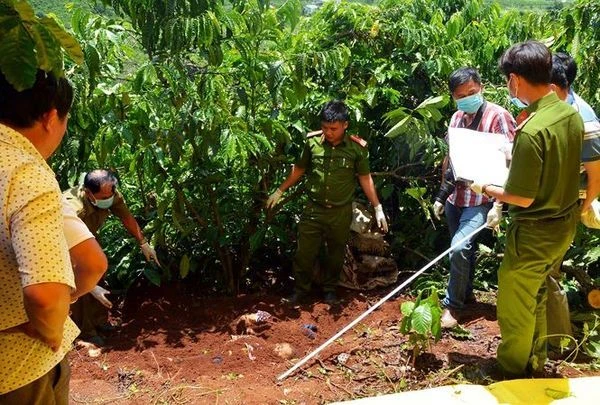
466, 210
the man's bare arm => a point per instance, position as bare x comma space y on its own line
501, 195
47, 307
89, 264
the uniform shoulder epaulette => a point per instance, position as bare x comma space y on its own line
359, 140
314, 133
523, 120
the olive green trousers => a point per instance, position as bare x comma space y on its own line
321, 227
533, 249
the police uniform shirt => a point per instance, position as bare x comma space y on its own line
331, 170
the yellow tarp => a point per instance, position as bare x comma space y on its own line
585, 390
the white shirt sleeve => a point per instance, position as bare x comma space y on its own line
75, 230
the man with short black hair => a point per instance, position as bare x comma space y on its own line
466, 210
542, 193
37, 282
332, 160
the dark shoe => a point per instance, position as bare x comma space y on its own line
106, 328
331, 298
296, 298
492, 371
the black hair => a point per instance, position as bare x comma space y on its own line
559, 76
461, 76
334, 111
94, 180
569, 65
22, 109
530, 59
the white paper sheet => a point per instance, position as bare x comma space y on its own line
478, 156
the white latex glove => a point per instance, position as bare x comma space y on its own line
507, 150
100, 294
380, 217
494, 215
149, 252
438, 210
476, 187
591, 216
274, 198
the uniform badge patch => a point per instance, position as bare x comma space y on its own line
523, 118
359, 140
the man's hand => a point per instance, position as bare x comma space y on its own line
28, 329
591, 216
274, 198
438, 210
149, 252
380, 217
494, 215
100, 294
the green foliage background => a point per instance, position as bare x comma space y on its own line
202, 105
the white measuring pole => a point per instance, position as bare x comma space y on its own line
377, 305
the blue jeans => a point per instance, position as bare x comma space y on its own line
461, 222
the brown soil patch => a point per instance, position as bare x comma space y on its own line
175, 348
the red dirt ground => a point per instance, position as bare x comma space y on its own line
174, 348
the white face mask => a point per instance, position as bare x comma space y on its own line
103, 204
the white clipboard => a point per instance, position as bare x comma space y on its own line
478, 157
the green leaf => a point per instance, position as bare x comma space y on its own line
593, 254
18, 62
92, 60
592, 349
400, 128
556, 394
184, 266
257, 239
49, 55
66, 40
416, 192
7, 23
421, 319
407, 308
386, 191
153, 275
437, 102
405, 325
25, 11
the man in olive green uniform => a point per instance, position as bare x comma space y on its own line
331, 160
542, 193
93, 202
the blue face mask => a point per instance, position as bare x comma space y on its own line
518, 103
104, 204
514, 99
470, 104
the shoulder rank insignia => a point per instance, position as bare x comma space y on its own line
522, 119
359, 140
314, 133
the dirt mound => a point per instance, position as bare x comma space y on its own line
175, 347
